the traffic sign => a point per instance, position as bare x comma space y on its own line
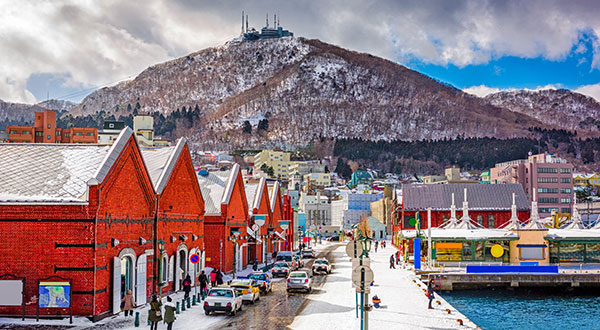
194, 258
354, 249
356, 275
255, 227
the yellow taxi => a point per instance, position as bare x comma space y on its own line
249, 289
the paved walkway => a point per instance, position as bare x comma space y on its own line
404, 304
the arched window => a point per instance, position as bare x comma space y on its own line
164, 264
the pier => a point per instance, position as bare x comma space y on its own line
462, 281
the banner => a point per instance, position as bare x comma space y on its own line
54, 294
11, 292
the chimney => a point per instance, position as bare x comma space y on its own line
242, 22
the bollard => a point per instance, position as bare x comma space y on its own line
183, 305
194, 300
199, 295
188, 303
136, 323
448, 310
177, 308
460, 322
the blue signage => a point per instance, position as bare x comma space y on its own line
417, 254
54, 294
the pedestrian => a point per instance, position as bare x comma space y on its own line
376, 246
213, 278
398, 257
187, 286
128, 303
392, 262
430, 294
219, 277
376, 301
203, 282
169, 313
155, 314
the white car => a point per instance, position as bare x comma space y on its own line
321, 266
299, 280
223, 299
281, 268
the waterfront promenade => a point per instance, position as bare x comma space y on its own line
404, 302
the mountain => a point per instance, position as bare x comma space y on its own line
19, 113
556, 108
306, 89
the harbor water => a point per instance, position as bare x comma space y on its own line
523, 309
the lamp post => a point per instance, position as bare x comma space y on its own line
364, 297
259, 221
161, 248
233, 238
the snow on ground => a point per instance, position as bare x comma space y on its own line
404, 304
190, 319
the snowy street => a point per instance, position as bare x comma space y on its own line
331, 304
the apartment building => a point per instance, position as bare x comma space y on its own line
544, 177
278, 160
45, 131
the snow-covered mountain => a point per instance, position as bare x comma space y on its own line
556, 108
307, 89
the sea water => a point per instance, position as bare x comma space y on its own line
521, 309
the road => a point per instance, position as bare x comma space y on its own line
278, 309
273, 311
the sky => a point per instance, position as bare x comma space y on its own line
65, 49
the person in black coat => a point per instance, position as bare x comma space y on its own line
430, 292
219, 277
203, 280
392, 262
187, 286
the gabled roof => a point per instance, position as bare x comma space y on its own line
480, 196
235, 171
212, 187
161, 163
262, 185
55, 173
251, 189
275, 194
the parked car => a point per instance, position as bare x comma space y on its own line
299, 280
281, 268
289, 257
308, 253
321, 266
263, 280
333, 239
223, 299
248, 288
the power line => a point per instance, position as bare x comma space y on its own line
85, 91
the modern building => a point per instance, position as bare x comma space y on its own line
317, 179
545, 177
110, 131
278, 160
45, 131
451, 175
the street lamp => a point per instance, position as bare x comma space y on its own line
233, 238
259, 221
161, 248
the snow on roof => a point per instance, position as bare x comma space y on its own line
480, 196
235, 171
212, 187
54, 173
275, 189
161, 163
466, 234
251, 189
554, 233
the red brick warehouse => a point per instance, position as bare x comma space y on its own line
225, 220
90, 213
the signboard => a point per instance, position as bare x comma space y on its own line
12, 293
448, 251
354, 249
194, 258
54, 294
260, 219
417, 252
356, 276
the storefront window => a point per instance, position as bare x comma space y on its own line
592, 252
554, 256
480, 220
491, 221
479, 249
467, 252
572, 252
488, 251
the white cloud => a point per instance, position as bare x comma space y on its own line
481, 90
590, 90
95, 42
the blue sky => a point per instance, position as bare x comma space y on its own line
66, 48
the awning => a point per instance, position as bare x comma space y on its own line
251, 234
280, 235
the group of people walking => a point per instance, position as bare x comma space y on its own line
155, 315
